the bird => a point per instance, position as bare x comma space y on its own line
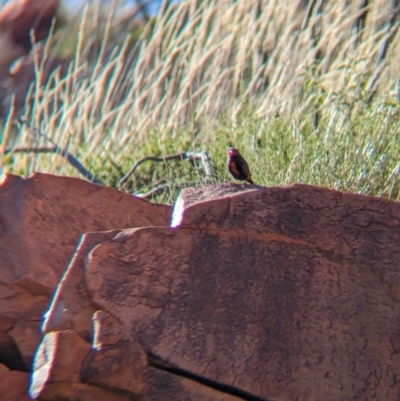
17, 19
238, 166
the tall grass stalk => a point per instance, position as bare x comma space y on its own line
302, 91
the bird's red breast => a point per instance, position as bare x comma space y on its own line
233, 167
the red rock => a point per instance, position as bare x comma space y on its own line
14, 385
27, 335
41, 221
58, 359
43, 216
270, 293
114, 351
10, 356
71, 307
17, 82
81, 392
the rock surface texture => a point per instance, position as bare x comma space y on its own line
41, 221
251, 293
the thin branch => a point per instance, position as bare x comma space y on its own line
207, 164
158, 182
125, 178
189, 156
31, 149
161, 188
155, 191
57, 149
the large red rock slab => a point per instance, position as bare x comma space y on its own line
58, 359
71, 307
117, 361
333, 222
81, 392
116, 368
14, 385
41, 220
266, 294
42, 217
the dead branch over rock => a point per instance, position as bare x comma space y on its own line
191, 157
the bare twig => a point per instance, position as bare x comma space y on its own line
155, 191
206, 164
161, 188
189, 156
30, 149
125, 178
56, 149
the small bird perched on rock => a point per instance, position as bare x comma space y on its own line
238, 166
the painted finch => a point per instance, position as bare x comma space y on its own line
238, 166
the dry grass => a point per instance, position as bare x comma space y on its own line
305, 94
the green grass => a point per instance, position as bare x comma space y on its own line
206, 77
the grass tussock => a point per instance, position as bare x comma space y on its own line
308, 91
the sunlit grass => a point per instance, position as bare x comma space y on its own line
319, 110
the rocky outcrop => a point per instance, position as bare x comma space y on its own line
251, 294
17, 19
239, 293
41, 221
15, 83
14, 385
